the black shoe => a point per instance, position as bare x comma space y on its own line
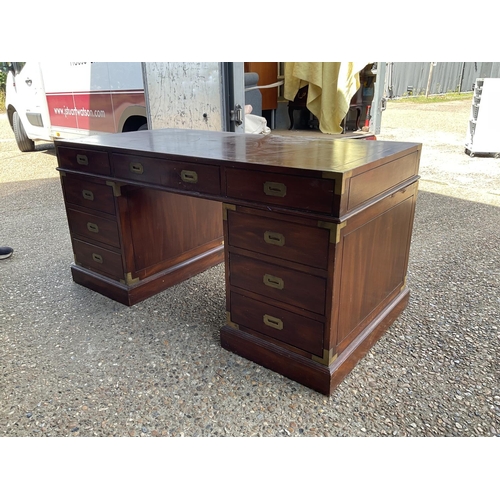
5, 252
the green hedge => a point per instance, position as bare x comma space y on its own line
3, 78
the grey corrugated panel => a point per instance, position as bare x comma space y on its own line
446, 76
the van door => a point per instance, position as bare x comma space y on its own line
27, 96
195, 95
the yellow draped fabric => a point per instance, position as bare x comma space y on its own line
331, 87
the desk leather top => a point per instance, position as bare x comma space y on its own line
323, 154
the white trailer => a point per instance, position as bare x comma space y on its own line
483, 132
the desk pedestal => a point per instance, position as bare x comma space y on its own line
310, 306
131, 243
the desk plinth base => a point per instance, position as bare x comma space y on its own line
130, 295
321, 378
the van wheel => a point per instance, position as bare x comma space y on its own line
24, 143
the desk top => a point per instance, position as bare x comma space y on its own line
321, 154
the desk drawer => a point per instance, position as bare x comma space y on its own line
138, 168
277, 282
303, 193
286, 240
293, 329
83, 160
88, 194
177, 175
98, 259
94, 227
193, 177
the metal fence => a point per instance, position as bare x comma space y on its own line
421, 78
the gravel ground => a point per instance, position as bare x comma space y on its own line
74, 363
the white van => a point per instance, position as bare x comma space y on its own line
46, 101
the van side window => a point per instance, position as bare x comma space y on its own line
18, 66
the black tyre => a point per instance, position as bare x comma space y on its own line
24, 143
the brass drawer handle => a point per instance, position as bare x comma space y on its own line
274, 238
98, 258
275, 189
189, 176
82, 159
88, 195
273, 322
136, 168
273, 282
93, 228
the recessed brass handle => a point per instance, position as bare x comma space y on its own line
136, 168
274, 238
275, 189
273, 322
82, 159
98, 258
93, 228
273, 281
189, 176
88, 195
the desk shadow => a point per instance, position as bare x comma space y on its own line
46, 147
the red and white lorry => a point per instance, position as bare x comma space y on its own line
47, 101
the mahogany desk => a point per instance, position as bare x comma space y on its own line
314, 232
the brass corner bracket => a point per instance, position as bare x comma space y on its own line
129, 280
225, 208
334, 229
328, 357
116, 188
229, 322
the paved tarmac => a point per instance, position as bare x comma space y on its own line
75, 363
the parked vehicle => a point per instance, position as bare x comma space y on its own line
45, 101
65, 100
